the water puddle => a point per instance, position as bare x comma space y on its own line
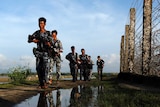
77, 96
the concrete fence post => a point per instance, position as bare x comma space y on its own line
146, 39
131, 39
126, 48
122, 55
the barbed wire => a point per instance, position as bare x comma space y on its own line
155, 44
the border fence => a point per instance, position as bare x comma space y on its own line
140, 45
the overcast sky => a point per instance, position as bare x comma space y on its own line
95, 25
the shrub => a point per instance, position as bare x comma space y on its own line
19, 73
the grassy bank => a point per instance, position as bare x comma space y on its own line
113, 95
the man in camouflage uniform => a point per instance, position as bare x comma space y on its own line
90, 67
100, 64
41, 38
72, 57
55, 58
83, 65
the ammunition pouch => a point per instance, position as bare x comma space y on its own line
45, 57
38, 54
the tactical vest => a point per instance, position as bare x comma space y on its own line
83, 59
100, 63
42, 37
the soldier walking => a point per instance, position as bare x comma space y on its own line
55, 57
83, 65
90, 67
100, 65
73, 58
41, 38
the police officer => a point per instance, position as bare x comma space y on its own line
55, 58
100, 64
83, 65
41, 38
72, 57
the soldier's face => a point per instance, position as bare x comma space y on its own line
83, 51
54, 36
42, 24
72, 49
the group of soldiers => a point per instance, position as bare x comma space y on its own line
48, 53
84, 64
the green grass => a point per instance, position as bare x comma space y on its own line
128, 98
112, 95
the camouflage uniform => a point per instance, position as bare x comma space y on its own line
42, 55
55, 59
100, 64
90, 67
73, 58
83, 67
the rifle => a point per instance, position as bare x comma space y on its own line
37, 36
30, 38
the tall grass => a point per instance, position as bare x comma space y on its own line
19, 74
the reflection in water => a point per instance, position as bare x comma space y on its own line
42, 102
46, 99
100, 88
79, 96
58, 103
75, 95
86, 95
49, 96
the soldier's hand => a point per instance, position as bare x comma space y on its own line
35, 40
29, 41
61, 51
30, 38
48, 43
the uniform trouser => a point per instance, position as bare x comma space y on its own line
42, 67
100, 73
84, 72
90, 74
73, 70
55, 61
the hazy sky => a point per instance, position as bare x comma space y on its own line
95, 25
